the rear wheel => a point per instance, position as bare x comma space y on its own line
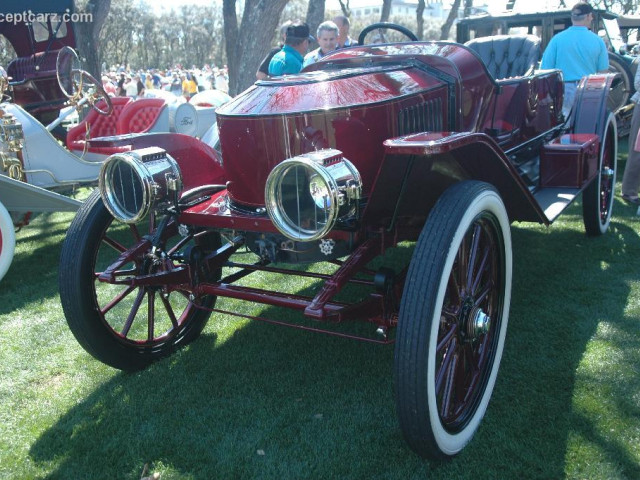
127, 327
597, 198
453, 320
7, 240
620, 96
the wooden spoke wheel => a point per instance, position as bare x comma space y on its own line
453, 320
125, 326
597, 198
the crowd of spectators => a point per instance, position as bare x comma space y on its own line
123, 81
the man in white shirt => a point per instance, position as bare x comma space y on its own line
131, 88
327, 36
344, 40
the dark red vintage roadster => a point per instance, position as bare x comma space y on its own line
372, 146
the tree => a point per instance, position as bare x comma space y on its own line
420, 20
386, 10
453, 14
244, 53
315, 14
618, 6
116, 37
468, 6
136, 36
88, 34
346, 11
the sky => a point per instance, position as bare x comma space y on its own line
495, 5
330, 4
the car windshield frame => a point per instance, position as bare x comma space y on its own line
542, 24
36, 26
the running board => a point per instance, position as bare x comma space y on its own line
22, 197
553, 200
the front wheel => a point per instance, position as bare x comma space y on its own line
453, 320
597, 198
125, 326
7, 240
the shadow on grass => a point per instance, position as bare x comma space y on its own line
572, 284
38, 264
268, 402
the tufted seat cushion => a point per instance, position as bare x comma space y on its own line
139, 116
25, 67
507, 55
99, 125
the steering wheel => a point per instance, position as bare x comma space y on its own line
382, 34
78, 84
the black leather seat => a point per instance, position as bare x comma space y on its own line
507, 55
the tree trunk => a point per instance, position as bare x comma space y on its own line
245, 51
346, 11
386, 11
468, 5
87, 34
315, 15
453, 14
420, 20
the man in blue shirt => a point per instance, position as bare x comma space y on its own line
296, 45
577, 52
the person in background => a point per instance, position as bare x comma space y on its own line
189, 86
577, 52
344, 40
176, 85
194, 79
131, 88
155, 79
139, 87
148, 81
109, 87
220, 82
631, 177
327, 35
289, 59
263, 69
120, 91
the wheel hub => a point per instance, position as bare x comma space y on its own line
475, 323
151, 263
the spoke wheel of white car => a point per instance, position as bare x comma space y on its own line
453, 319
620, 97
7, 240
597, 198
124, 326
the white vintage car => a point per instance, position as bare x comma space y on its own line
36, 167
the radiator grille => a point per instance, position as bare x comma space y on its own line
424, 117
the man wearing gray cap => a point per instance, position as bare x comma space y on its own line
296, 45
577, 52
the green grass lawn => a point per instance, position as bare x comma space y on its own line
252, 400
